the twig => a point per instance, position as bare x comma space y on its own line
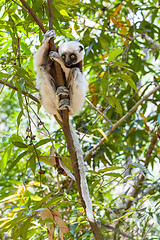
32, 13
149, 39
20, 6
46, 131
23, 92
19, 54
50, 14
127, 115
118, 231
102, 114
31, 139
147, 231
119, 34
137, 188
98, 111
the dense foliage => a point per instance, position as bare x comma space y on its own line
122, 43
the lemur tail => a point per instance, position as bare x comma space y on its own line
83, 181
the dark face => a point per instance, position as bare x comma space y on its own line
69, 59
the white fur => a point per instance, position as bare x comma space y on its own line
77, 86
83, 181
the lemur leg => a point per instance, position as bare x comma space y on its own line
62, 90
64, 104
41, 56
77, 90
44, 82
54, 56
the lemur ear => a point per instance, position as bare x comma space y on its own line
80, 48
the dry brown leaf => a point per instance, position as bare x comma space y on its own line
50, 232
61, 224
46, 214
52, 159
55, 216
94, 95
117, 10
61, 235
50, 227
55, 213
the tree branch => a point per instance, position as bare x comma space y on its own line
69, 138
32, 13
137, 187
23, 92
149, 39
127, 115
118, 231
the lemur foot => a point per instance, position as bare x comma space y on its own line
62, 91
64, 104
54, 55
49, 34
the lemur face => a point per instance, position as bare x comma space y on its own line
71, 53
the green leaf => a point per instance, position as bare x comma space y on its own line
115, 175
114, 102
120, 64
4, 75
47, 197
64, 13
25, 227
16, 161
25, 48
16, 138
126, 78
32, 162
20, 97
95, 183
142, 167
53, 201
6, 155
5, 49
109, 169
42, 142
19, 144
19, 118
105, 82
11, 223
114, 54
44, 159
104, 43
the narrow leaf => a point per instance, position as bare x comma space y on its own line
126, 78
5, 157
114, 102
16, 161
32, 162
143, 168
101, 131
19, 144
109, 169
114, 54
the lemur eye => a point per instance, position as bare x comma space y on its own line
72, 56
63, 56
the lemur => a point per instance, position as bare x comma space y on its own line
69, 55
